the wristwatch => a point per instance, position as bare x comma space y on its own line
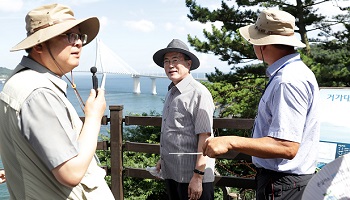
198, 172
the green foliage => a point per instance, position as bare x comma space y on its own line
237, 94
4, 72
331, 63
105, 157
145, 134
225, 43
228, 45
143, 189
135, 188
245, 12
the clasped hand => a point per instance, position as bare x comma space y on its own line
215, 146
2, 176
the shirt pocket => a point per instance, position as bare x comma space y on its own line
264, 107
177, 118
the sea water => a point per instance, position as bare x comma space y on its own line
119, 91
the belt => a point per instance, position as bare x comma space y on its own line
269, 171
304, 178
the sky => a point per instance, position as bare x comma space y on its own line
134, 29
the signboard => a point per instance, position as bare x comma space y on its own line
335, 125
332, 182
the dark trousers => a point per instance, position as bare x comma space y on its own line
178, 191
272, 185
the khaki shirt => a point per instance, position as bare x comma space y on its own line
23, 151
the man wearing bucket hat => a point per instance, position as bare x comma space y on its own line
286, 129
187, 122
48, 153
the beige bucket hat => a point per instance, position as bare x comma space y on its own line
49, 21
272, 27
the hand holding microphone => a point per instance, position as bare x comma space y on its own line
95, 104
93, 70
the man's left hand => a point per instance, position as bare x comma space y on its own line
195, 187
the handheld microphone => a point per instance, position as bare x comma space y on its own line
93, 70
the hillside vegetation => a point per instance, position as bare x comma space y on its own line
4, 72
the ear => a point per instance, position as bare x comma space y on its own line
189, 63
38, 47
264, 47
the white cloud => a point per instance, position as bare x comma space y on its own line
169, 26
79, 2
197, 26
331, 7
11, 5
185, 26
141, 25
103, 21
66, 2
207, 26
179, 29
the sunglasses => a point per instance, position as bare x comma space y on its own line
74, 37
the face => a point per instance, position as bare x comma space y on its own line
176, 67
66, 55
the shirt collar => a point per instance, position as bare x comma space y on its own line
181, 86
272, 69
29, 63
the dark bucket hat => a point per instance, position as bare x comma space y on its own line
176, 45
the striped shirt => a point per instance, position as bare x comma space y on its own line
188, 111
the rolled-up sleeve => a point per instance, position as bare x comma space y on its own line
289, 111
46, 124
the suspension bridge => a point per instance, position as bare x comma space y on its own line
108, 62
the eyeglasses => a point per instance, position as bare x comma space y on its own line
173, 62
74, 37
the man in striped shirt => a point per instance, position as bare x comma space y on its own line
186, 123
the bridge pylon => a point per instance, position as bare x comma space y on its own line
154, 86
137, 88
